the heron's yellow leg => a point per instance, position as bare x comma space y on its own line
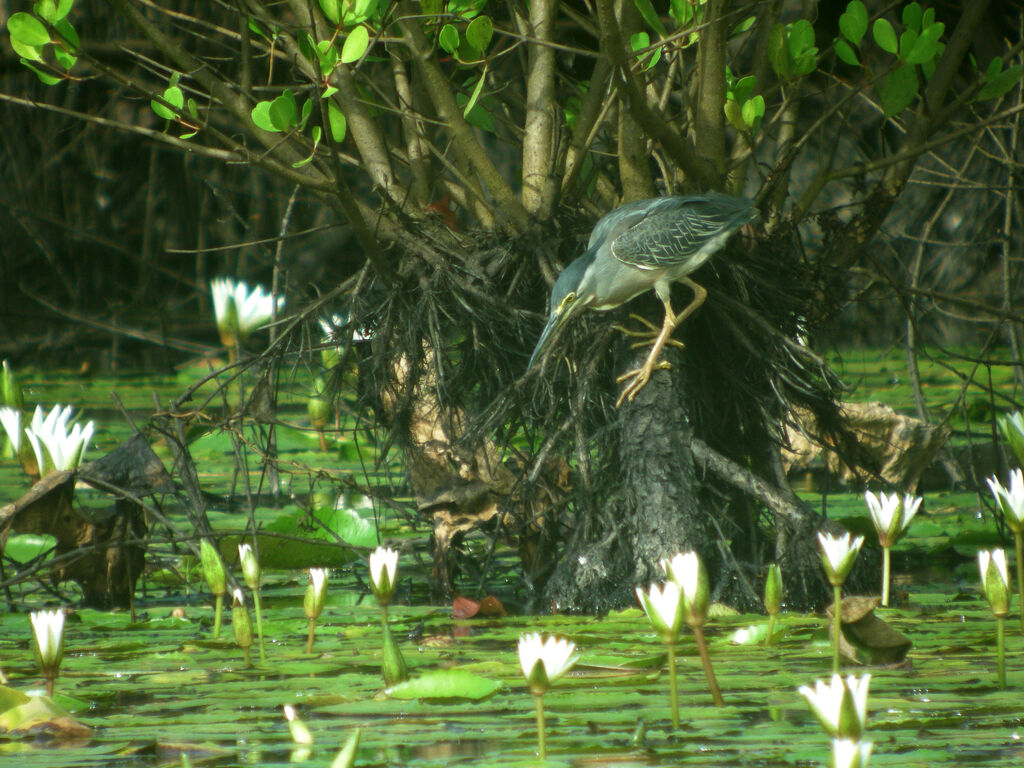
639, 377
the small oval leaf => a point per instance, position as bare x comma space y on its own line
885, 36
27, 30
355, 45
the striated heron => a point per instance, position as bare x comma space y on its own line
643, 245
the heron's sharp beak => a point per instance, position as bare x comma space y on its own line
554, 320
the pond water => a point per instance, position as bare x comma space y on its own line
162, 686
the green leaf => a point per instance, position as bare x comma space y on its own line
928, 19
899, 89
339, 124
845, 52
854, 22
801, 38
650, 16
317, 134
70, 36
449, 38
912, 17
358, 11
476, 94
306, 109
753, 112
478, 34
27, 30
999, 84
734, 114
907, 41
329, 91
332, 10
681, 11
885, 36
446, 684
327, 55
778, 52
355, 46
27, 52
743, 26
639, 41
284, 112
173, 96
744, 87
261, 116
193, 108
926, 47
44, 77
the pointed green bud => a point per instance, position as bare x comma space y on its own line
995, 580
1012, 427
10, 389
318, 405
773, 590
240, 620
213, 567
392, 663
346, 757
250, 566
300, 733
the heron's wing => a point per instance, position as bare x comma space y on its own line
676, 228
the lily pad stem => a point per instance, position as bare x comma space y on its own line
771, 629
311, 635
1001, 650
673, 685
218, 606
259, 624
885, 575
1019, 540
837, 590
542, 742
705, 660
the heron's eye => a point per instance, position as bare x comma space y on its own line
569, 299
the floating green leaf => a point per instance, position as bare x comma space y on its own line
355, 46
885, 36
854, 22
446, 684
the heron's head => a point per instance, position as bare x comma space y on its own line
567, 299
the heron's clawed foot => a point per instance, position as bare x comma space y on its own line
639, 378
649, 335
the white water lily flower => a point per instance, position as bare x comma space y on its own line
838, 554
1011, 501
687, 571
241, 311
316, 593
48, 628
11, 420
55, 447
383, 573
847, 753
664, 607
545, 660
995, 580
840, 705
891, 515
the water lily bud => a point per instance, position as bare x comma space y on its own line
664, 607
847, 753
300, 733
544, 660
240, 620
1012, 427
837, 555
773, 590
250, 566
1011, 500
316, 593
995, 580
392, 662
318, 406
688, 572
383, 573
213, 568
240, 311
10, 389
48, 633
